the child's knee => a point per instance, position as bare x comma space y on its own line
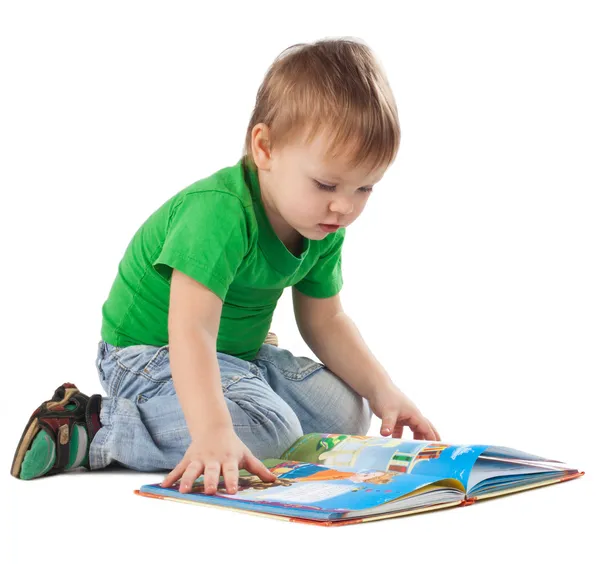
266, 429
281, 431
348, 412
353, 414
357, 419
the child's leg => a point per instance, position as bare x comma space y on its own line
143, 424
323, 402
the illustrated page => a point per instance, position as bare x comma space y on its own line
363, 453
307, 486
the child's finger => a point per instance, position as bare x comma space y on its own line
423, 427
255, 466
230, 477
193, 470
212, 471
431, 435
437, 435
417, 426
388, 423
173, 475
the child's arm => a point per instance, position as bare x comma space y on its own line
336, 341
194, 317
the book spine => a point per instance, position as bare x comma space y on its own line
325, 523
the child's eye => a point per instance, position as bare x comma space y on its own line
324, 186
329, 188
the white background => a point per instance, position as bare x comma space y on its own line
473, 273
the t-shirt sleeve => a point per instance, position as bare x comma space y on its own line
324, 279
206, 239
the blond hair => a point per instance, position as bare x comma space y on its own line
333, 85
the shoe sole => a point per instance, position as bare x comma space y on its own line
31, 430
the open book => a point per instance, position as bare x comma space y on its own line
328, 479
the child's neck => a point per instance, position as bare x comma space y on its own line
293, 241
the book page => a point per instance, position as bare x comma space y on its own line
499, 471
511, 453
303, 486
402, 456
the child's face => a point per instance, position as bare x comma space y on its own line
289, 177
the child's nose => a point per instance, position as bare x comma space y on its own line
342, 205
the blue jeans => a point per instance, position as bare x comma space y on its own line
273, 400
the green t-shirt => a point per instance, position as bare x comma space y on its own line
217, 232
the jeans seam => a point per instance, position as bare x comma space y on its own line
239, 379
235, 425
159, 382
116, 384
144, 373
108, 428
300, 375
131, 370
269, 418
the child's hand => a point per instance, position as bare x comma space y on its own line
214, 454
396, 410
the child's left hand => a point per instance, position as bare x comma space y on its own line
395, 410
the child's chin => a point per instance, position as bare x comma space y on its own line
315, 234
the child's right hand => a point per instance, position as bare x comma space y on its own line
213, 454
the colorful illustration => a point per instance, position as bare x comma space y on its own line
313, 487
244, 483
372, 477
402, 456
331, 478
296, 473
329, 441
358, 452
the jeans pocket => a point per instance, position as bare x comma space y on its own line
233, 380
301, 368
141, 359
140, 371
282, 361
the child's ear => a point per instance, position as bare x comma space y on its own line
261, 145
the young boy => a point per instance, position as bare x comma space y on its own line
191, 384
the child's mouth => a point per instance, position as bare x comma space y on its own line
328, 228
